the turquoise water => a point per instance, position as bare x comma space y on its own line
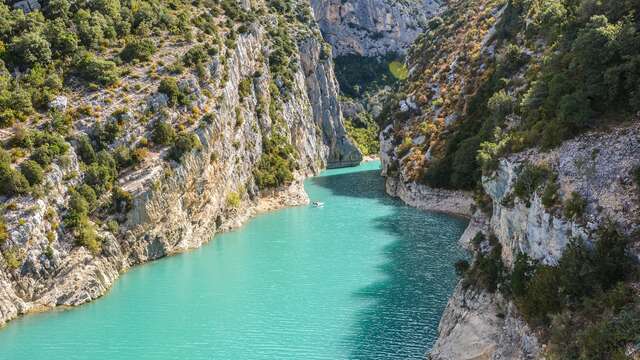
365, 277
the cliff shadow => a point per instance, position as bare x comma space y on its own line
405, 305
403, 308
361, 184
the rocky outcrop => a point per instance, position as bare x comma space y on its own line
479, 325
598, 166
177, 207
372, 27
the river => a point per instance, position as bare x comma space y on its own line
364, 277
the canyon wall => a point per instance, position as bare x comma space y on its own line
179, 206
372, 27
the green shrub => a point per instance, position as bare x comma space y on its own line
101, 174
196, 55
169, 87
106, 133
501, 104
88, 237
244, 88
93, 69
364, 132
43, 155
138, 49
123, 157
276, 165
185, 142
550, 196
163, 133
488, 270
523, 269
233, 200
30, 49
12, 182
85, 150
4, 233
574, 206
32, 172
529, 180
542, 297
13, 257
88, 194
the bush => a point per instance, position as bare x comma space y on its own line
542, 296
138, 49
88, 194
523, 269
244, 88
88, 237
233, 200
529, 180
43, 155
574, 206
487, 270
93, 69
12, 182
32, 172
4, 233
101, 174
163, 133
30, 49
85, 150
185, 142
77, 220
501, 104
169, 87
550, 196
194, 56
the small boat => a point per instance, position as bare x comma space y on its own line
317, 204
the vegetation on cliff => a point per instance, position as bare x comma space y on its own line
495, 77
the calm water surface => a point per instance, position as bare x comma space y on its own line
365, 277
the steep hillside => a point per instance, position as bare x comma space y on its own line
530, 109
135, 130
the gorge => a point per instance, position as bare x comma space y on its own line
132, 131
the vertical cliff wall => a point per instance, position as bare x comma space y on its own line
372, 27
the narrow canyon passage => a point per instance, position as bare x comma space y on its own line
364, 277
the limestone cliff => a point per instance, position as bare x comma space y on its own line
372, 27
178, 206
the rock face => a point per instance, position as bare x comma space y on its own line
479, 325
598, 166
180, 207
372, 27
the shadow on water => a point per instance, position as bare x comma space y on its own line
404, 309
362, 184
